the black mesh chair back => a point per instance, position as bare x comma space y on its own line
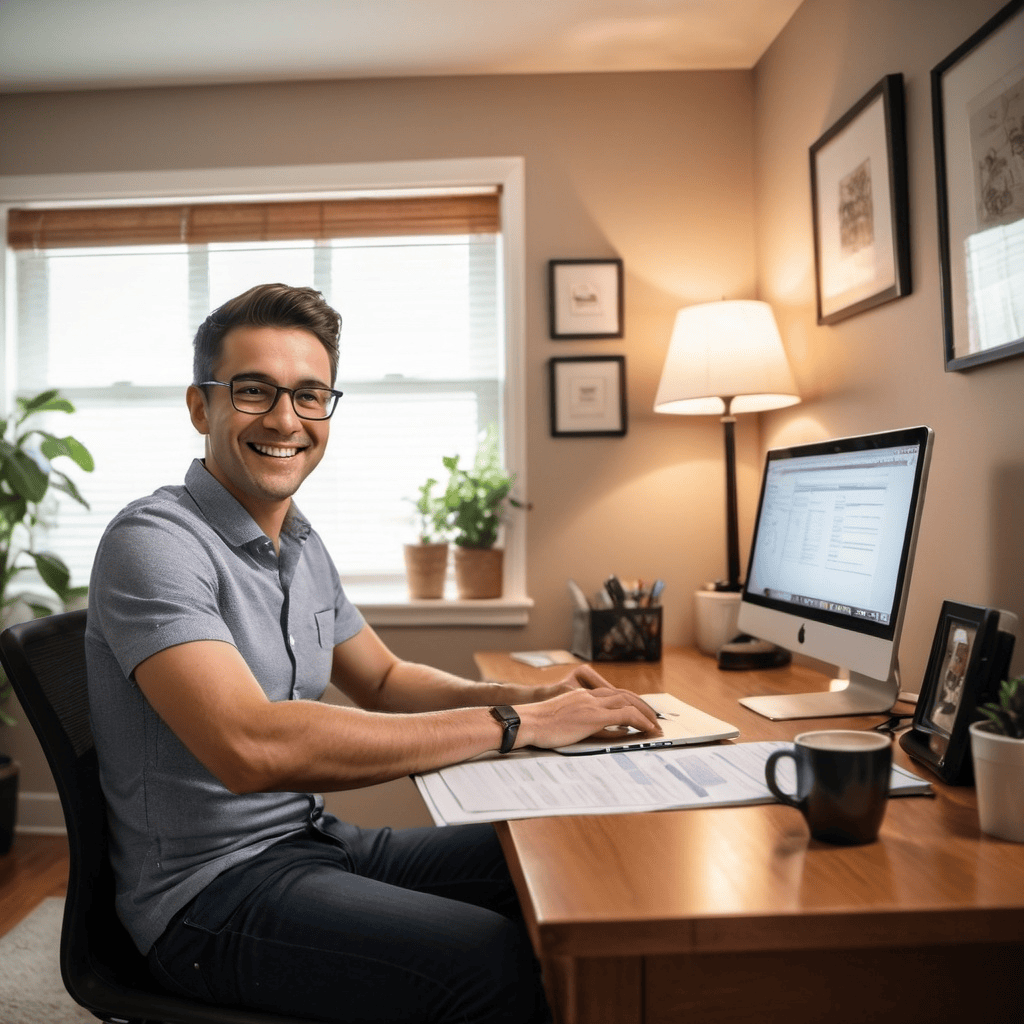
100, 965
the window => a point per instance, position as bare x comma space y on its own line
109, 297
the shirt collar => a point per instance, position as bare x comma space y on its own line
226, 514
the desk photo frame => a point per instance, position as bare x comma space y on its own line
978, 129
860, 206
969, 657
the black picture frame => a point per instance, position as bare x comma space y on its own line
585, 299
860, 206
978, 129
969, 657
588, 396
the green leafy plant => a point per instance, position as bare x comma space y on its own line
1007, 716
476, 500
26, 476
432, 513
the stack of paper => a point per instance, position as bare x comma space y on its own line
544, 784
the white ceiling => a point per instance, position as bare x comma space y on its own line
100, 44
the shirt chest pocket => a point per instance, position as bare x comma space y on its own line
325, 628
313, 651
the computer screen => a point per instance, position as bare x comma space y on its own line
831, 559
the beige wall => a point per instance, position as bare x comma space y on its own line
654, 168
885, 368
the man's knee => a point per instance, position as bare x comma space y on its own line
502, 980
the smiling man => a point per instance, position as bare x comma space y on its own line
216, 622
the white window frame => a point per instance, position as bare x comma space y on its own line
315, 181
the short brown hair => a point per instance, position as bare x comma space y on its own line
266, 305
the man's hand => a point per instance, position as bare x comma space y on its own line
582, 677
578, 713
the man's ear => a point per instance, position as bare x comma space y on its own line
195, 399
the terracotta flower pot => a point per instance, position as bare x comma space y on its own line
425, 568
478, 572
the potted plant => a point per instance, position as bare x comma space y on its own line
26, 475
997, 746
426, 562
476, 501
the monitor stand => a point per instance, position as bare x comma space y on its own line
860, 695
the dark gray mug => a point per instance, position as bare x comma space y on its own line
842, 783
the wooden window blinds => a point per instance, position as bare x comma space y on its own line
198, 223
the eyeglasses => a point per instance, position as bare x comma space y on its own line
256, 397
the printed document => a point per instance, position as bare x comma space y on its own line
544, 784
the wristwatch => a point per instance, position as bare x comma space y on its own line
509, 724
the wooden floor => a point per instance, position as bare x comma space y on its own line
36, 867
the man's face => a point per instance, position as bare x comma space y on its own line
263, 459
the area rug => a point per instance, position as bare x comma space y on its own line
31, 991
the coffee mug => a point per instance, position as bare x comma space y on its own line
842, 783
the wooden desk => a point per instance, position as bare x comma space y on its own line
736, 915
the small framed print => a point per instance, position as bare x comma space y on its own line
585, 298
860, 207
588, 396
970, 655
978, 129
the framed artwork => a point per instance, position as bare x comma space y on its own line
970, 654
585, 298
978, 125
860, 207
588, 396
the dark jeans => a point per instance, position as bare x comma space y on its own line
361, 925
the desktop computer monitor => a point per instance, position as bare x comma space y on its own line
830, 564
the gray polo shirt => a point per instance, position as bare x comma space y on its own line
184, 564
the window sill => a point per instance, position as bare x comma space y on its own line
390, 605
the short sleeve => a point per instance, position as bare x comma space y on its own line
154, 585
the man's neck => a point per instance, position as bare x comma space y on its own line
269, 516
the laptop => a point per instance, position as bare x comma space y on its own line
681, 725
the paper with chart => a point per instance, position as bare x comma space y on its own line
524, 786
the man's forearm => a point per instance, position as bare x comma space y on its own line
412, 687
322, 747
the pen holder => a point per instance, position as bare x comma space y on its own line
617, 634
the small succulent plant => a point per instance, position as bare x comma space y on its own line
1007, 717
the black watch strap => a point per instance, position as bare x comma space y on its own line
509, 724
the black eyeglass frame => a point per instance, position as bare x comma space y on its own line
278, 389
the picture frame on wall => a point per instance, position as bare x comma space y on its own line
978, 128
585, 298
860, 206
588, 396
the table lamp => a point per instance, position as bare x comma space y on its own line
725, 358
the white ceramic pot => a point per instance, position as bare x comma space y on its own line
999, 778
717, 612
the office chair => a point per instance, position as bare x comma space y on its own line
99, 964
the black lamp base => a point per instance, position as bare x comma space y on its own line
747, 652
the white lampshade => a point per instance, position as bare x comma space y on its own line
725, 350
